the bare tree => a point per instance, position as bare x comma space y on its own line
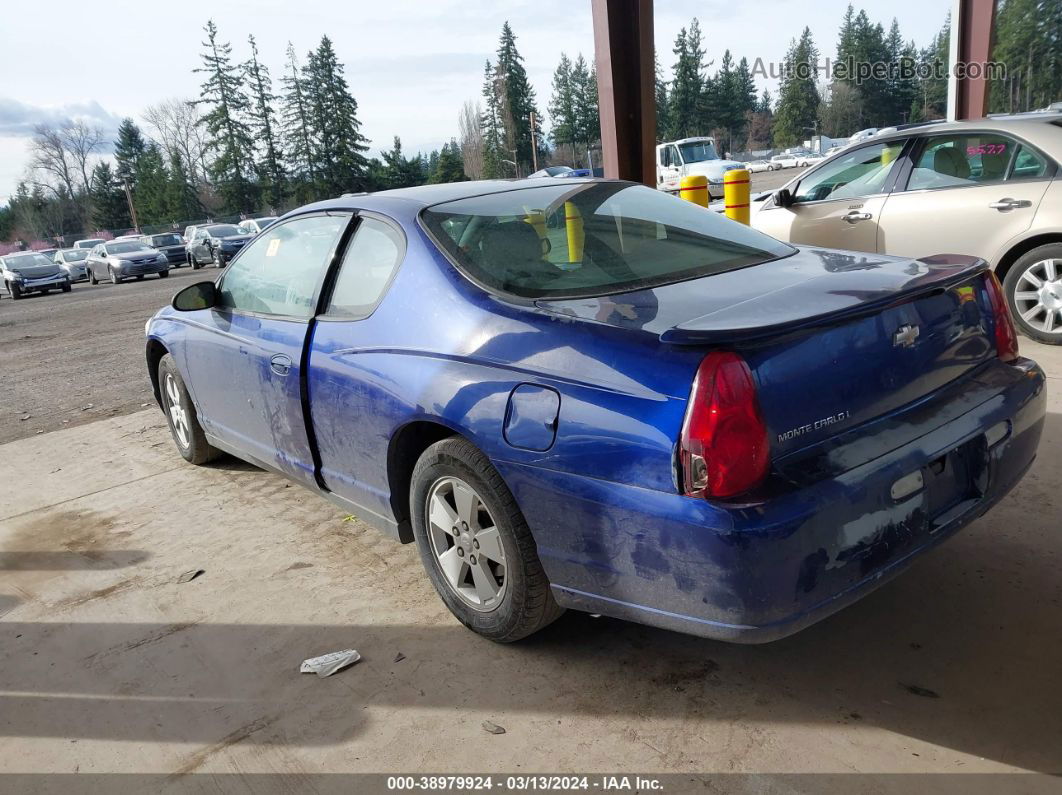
51, 165
81, 142
175, 123
468, 122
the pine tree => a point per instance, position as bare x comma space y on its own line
449, 166
151, 187
182, 203
686, 104
397, 171
562, 108
338, 142
931, 99
798, 103
263, 125
227, 134
663, 103
587, 107
128, 150
109, 207
518, 98
297, 131
492, 129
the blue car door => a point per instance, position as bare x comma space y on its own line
350, 400
244, 357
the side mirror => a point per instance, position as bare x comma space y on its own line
784, 198
201, 295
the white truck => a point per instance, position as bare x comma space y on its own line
691, 157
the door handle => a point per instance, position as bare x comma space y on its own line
1003, 205
280, 364
854, 216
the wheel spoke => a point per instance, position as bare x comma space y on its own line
1049, 270
490, 544
1031, 313
1026, 295
1049, 320
453, 567
1032, 278
486, 586
442, 516
467, 503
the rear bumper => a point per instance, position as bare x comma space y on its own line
756, 573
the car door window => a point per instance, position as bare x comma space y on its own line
278, 273
1029, 164
953, 161
861, 172
370, 260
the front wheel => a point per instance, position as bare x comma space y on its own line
15, 290
1033, 287
475, 544
115, 278
164, 274
181, 416
92, 277
66, 287
216, 259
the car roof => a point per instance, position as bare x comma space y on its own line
423, 196
1040, 128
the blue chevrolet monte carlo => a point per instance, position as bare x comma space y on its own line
593, 395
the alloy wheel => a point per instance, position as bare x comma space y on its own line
1038, 296
466, 543
177, 414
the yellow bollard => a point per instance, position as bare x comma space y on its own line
736, 191
695, 189
573, 223
537, 220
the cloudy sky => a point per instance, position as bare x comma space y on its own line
410, 64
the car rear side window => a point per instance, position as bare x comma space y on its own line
278, 273
955, 161
590, 239
1029, 164
368, 264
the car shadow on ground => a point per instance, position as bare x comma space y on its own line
962, 651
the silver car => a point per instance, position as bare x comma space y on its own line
72, 261
989, 188
122, 259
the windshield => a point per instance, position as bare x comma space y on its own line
264, 222
75, 254
223, 230
126, 247
88, 243
590, 240
166, 240
697, 151
33, 260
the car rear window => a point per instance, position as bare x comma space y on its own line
591, 239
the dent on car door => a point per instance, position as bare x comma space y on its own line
967, 193
244, 357
838, 204
351, 399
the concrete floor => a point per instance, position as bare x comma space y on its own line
107, 664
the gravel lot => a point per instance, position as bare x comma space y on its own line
73, 358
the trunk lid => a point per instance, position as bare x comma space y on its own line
834, 339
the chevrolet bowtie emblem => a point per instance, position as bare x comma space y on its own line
905, 336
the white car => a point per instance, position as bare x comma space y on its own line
252, 226
803, 161
91, 242
787, 160
756, 166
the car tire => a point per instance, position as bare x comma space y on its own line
215, 257
183, 422
15, 290
115, 278
66, 287
522, 603
164, 274
1022, 298
92, 278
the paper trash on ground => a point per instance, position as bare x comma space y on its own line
328, 664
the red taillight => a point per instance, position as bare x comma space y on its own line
1006, 334
724, 449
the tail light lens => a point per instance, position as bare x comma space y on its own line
724, 449
1006, 334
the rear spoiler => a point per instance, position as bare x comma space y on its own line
946, 271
